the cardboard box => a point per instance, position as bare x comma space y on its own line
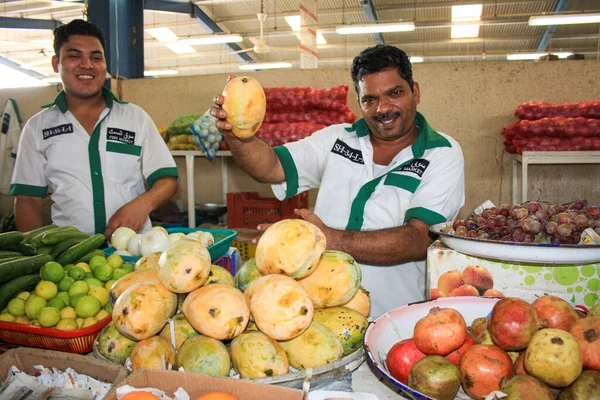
26, 358
198, 384
577, 284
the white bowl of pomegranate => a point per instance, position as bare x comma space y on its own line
470, 347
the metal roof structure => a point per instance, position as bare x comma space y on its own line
26, 32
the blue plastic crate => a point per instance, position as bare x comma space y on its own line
223, 240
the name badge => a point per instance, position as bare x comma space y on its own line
417, 167
57, 131
342, 149
120, 135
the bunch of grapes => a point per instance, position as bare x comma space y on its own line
530, 222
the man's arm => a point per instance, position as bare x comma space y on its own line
28, 213
381, 247
134, 213
256, 157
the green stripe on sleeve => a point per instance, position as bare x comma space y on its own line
161, 173
402, 181
17, 189
124, 148
289, 169
424, 215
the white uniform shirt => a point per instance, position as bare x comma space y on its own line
9, 139
424, 181
90, 177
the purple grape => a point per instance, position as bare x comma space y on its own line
551, 227
564, 230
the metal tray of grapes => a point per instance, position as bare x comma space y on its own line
539, 253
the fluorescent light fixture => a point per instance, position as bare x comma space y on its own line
45, 42
464, 31
181, 48
467, 13
416, 59
53, 79
535, 56
375, 28
162, 34
267, 65
160, 72
214, 39
320, 38
12, 78
294, 22
565, 19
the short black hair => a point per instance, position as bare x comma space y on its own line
76, 27
379, 58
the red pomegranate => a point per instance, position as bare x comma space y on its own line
512, 324
587, 333
519, 365
401, 358
441, 331
557, 312
478, 326
455, 356
482, 368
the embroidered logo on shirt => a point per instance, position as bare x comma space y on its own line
342, 149
417, 167
57, 130
121, 135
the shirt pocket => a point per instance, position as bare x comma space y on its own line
123, 162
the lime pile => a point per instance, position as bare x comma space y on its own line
69, 297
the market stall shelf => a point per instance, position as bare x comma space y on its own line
541, 253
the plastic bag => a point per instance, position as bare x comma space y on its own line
207, 136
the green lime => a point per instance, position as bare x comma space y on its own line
103, 272
67, 324
108, 307
65, 283
87, 306
68, 313
77, 273
52, 271
128, 267
102, 314
93, 282
78, 287
68, 267
118, 273
33, 305
24, 295
115, 260
6, 317
108, 285
75, 299
48, 317
22, 320
89, 321
89, 275
16, 307
56, 303
46, 289
94, 261
64, 296
100, 293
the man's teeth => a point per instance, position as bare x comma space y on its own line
85, 76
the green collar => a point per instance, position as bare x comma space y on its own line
427, 139
61, 101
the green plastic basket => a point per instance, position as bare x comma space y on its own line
223, 240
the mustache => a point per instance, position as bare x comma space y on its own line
388, 115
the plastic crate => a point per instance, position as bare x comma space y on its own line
248, 209
75, 341
246, 247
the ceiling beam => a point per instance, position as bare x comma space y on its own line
28, 23
200, 16
371, 14
17, 67
561, 5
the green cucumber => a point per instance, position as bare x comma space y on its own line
77, 251
31, 234
86, 258
28, 265
64, 245
37, 239
8, 238
56, 236
43, 249
3, 260
23, 248
9, 290
7, 254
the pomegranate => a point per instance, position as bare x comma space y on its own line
401, 358
587, 334
441, 331
554, 357
493, 293
524, 387
519, 364
465, 290
512, 324
436, 293
585, 387
484, 338
449, 281
482, 367
436, 377
557, 312
478, 276
479, 325
455, 356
